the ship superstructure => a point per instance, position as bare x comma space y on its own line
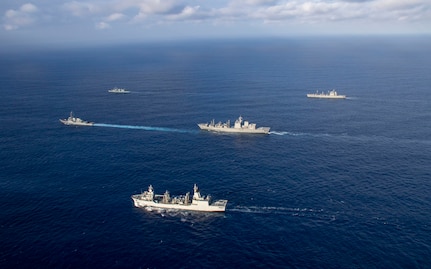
72, 120
118, 90
332, 94
240, 126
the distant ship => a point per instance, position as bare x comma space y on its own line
118, 90
239, 127
72, 120
330, 95
183, 202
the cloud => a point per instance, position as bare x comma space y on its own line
28, 8
160, 7
23, 16
106, 14
307, 11
81, 9
304, 11
156, 9
253, 2
111, 18
102, 26
115, 17
188, 13
412, 10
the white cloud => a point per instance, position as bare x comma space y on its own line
148, 7
187, 13
139, 11
115, 17
252, 2
133, 13
111, 18
28, 8
24, 16
395, 4
307, 11
158, 6
80, 9
412, 10
11, 13
102, 26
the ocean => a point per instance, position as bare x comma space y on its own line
336, 184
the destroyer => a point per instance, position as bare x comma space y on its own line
330, 95
118, 90
240, 126
72, 120
183, 202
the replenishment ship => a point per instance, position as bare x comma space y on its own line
72, 120
118, 90
183, 202
240, 126
329, 95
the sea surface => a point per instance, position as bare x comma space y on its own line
336, 184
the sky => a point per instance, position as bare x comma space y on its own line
120, 21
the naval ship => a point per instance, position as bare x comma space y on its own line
118, 90
197, 203
240, 126
72, 120
330, 95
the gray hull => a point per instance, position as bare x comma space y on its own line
240, 126
260, 130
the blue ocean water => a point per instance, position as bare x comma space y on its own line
337, 183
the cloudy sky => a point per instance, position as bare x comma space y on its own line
91, 21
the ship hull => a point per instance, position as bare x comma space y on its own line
326, 96
260, 130
217, 206
66, 122
118, 90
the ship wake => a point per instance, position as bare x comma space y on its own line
272, 209
146, 128
310, 213
286, 133
354, 138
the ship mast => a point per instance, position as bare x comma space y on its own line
196, 194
